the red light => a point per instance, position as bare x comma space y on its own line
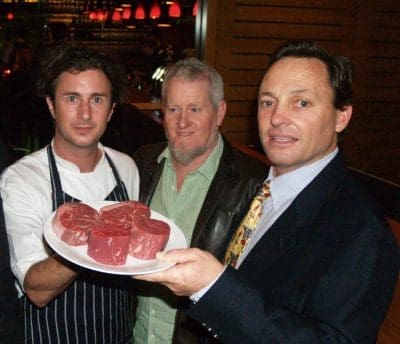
155, 11
139, 13
116, 16
195, 8
92, 15
10, 16
174, 10
101, 16
126, 14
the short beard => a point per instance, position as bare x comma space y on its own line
185, 157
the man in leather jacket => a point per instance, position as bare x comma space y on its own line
199, 180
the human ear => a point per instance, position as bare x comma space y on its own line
221, 112
111, 112
50, 106
343, 118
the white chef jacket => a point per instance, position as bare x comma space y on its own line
27, 199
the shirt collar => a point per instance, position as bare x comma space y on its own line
71, 166
287, 186
209, 167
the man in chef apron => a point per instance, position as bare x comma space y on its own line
63, 302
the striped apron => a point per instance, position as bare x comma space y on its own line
96, 308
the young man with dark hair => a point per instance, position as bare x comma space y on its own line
62, 302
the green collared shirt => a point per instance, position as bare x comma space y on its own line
156, 314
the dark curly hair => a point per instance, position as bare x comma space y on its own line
78, 59
339, 67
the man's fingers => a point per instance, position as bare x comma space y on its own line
178, 255
152, 277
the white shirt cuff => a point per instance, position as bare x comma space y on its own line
197, 296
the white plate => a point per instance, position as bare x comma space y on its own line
78, 255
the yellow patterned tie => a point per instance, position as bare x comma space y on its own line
247, 227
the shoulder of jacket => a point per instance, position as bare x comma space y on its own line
149, 153
245, 163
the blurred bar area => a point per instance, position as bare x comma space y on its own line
235, 37
144, 35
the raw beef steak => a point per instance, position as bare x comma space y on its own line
123, 212
109, 244
73, 222
149, 236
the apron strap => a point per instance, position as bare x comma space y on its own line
120, 190
57, 191
59, 197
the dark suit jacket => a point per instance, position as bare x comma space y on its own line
324, 272
235, 183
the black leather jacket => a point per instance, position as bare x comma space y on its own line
235, 184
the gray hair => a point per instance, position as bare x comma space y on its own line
193, 69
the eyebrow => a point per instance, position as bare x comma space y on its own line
95, 94
294, 92
300, 91
265, 93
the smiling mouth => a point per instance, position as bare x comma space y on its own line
283, 139
186, 133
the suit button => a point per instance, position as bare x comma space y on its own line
209, 329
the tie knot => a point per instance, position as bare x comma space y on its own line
264, 192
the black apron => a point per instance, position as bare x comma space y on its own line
96, 308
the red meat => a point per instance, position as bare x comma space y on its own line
73, 222
109, 244
113, 232
149, 236
123, 212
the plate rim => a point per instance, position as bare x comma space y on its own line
134, 265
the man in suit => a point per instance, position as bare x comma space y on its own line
321, 264
197, 179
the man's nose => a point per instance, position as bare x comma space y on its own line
280, 115
183, 119
85, 110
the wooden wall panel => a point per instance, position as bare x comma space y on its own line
368, 32
373, 140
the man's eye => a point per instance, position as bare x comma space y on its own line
195, 109
71, 99
266, 103
303, 103
97, 99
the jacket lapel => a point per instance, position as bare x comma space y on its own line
280, 238
152, 174
222, 179
300, 215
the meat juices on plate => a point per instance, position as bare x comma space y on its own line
73, 222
